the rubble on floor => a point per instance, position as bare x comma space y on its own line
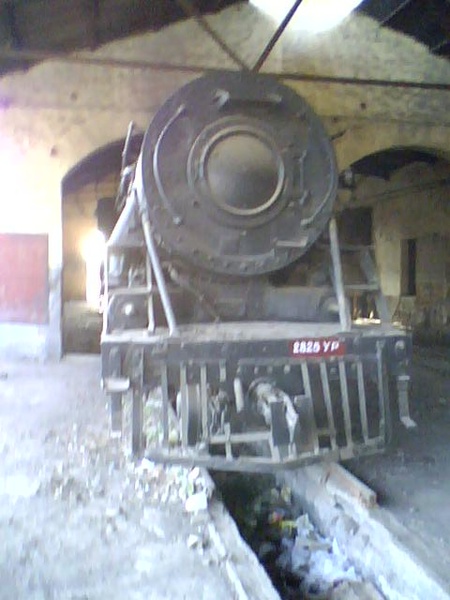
78, 519
300, 561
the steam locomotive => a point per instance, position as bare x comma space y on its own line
225, 297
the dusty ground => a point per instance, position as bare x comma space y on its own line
413, 478
76, 521
82, 327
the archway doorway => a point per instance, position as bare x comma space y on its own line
88, 199
402, 194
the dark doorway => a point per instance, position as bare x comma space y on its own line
355, 226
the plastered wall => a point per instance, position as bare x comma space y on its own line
412, 205
57, 113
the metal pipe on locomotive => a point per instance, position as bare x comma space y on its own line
225, 298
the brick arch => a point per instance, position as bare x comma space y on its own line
92, 140
364, 141
100, 167
101, 161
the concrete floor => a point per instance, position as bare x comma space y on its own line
77, 521
412, 479
82, 326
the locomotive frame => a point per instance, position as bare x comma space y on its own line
244, 394
353, 374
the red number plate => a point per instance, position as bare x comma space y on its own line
315, 347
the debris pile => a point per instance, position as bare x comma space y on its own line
165, 484
153, 420
87, 469
174, 486
300, 561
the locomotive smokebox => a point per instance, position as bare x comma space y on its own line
238, 174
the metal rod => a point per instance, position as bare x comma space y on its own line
105, 323
345, 403
309, 401
150, 299
159, 275
276, 36
165, 403
228, 449
344, 314
444, 42
137, 433
126, 146
184, 411
382, 391
393, 12
36, 56
362, 400
191, 11
120, 228
328, 404
241, 438
204, 400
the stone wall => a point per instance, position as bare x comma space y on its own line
58, 112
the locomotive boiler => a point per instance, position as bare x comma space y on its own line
226, 303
